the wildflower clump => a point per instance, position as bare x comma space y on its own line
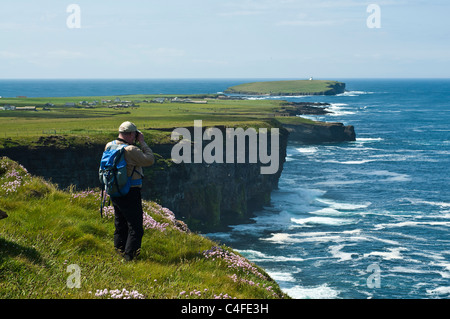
86, 194
233, 260
119, 294
159, 218
108, 211
204, 295
12, 176
155, 216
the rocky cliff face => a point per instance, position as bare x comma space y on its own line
204, 195
327, 132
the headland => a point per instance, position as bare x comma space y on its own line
289, 88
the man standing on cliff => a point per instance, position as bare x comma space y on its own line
128, 213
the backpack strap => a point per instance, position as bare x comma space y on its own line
121, 139
136, 181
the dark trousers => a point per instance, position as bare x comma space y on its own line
129, 222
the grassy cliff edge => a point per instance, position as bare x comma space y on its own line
53, 239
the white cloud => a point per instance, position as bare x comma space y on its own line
306, 23
164, 52
9, 55
240, 13
64, 54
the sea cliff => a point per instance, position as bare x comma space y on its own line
205, 196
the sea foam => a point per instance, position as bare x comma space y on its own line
328, 221
319, 292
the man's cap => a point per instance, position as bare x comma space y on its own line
127, 127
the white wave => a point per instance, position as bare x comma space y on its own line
307, 150
446, 214
319, 292
408, 270
320, 237
329, 221
350, 162
327, 212
383, 240
337, 253
354, 93
339, 109
338, 104
343, 206
352, 232
284, 238
281, 276
256, 256
411, 224
443, 264
369, 139
392, 253
399, 178
391, 176
439, 291
279, 238
414, 157
380, 173
420, 201
340, 182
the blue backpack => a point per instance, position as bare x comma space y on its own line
113, 172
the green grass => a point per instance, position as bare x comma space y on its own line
49, 229
101, 122
296, 87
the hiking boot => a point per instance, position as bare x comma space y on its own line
131, 256
128, 257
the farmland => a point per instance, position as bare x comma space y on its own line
155, 118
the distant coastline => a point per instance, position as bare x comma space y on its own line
289, 88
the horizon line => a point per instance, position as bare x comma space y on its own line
231, 78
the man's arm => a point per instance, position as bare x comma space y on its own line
141, 156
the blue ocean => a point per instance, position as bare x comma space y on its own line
362, 219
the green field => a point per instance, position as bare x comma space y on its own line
155, 119
296, 87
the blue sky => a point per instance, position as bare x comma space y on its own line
224, 39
